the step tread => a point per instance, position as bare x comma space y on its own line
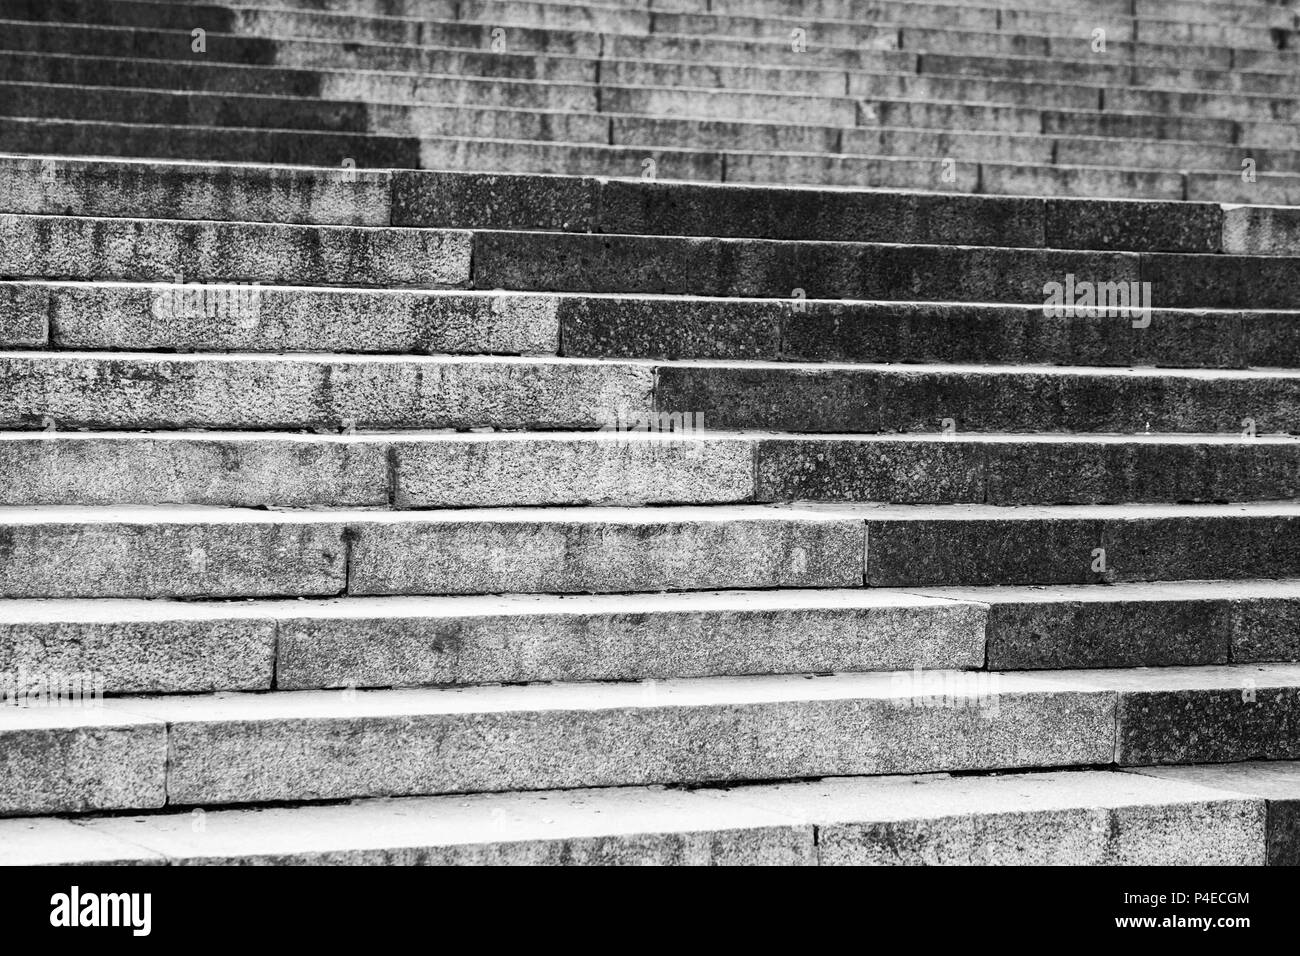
617, 697
781, 816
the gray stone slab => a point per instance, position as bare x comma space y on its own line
603, 550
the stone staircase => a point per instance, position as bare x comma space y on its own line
1159, 99
353, 512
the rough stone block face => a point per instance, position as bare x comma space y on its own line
1050, 472
981, 551
24, 316
602, 552
168, 191
437, 641
629, 327
469, 201
741, 267
1260, 230
844, 399
686, 209
139, 654
1266, 629
1181, 548
279, 755
965, 545
1275, 782
140, 555
1208, 716
913, 472
79, 759
1077, 818
239, 472
1115, 633
242, 318
1225, 281
632, 468
139, 249
110, 392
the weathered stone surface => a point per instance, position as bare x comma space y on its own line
140, 646
1225, 281
1045, 470
470, 201
869, 469
46, 841
1261, 231
1127, 625
1242, 542
318, 392
639, 327
845, 398
1204, 714
603, 550
24, 322
1277, 783
212, 144
1266, 628
1148, 226
958, 545
216, 469
618, 826
136, 249
627, 468
692, 209
241, 318
753, 267
76, 759
1027, 469
189, 191
167, 552
1081, 818
1064, 818
291, 746
409, 641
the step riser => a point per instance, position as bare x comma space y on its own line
63, 247
1063, 634
373, 473
891, 100
248, 318
886, 400
288, 394
422, 648
1078, 551
979, 165
340, 745
43, 391
204, 144
444, 557
704, 119
442, 641
451, 554
460, 200
266, 319
244, 762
